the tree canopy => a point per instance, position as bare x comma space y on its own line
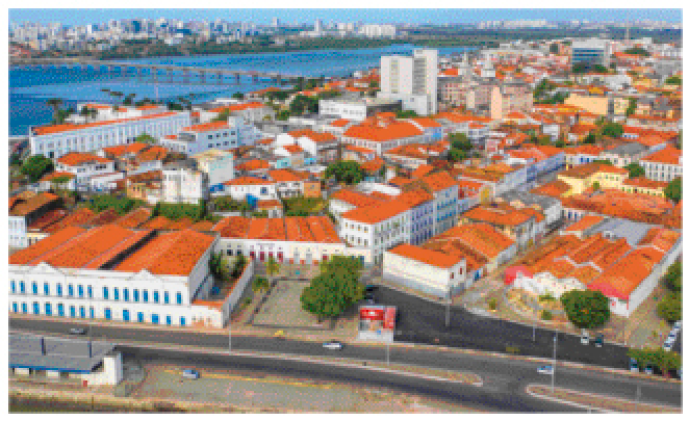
614, 130
120, 205
673, 190
36, 166
238, 96
335, 289
637, 51
635, 170
608, 162
348, 172
673, 80
666, 361
406, 114
146, 138
586, 308
669, 308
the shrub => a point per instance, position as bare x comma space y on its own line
492, 304
546, 315
512, 349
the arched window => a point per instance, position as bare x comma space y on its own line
116, 294
22, 287
166, 298
70, 290
145, 296
14, 287
135, 295
105, 293
156, 296
126, 295
90, 291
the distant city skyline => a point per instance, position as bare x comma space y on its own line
71, 17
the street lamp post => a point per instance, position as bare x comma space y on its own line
387, 353
448, 309
554, 367
638, 397
229, 334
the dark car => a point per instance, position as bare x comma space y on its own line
600, 340
371, 288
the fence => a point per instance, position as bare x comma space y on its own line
240, 285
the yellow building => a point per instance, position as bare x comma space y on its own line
644, 186
595, 104
583, 177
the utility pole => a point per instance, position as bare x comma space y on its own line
554, 367
448, 309
229, 334
533, 331
387, 353
638, 397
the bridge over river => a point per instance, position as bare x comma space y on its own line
160, 72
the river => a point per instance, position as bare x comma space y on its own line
29, 89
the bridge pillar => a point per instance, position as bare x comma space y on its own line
278, 79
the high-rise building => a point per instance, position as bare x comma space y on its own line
411, 79
592, 51
318, 26
275, 22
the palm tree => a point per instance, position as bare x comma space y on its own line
272, 267
55, 103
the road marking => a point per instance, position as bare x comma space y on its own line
262, 380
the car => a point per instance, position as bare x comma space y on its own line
676, 327
333, 345
667, 346
600, 340
280, 335
369, 295
191, 374
585, 338
370, 301
633, 365
371, 288
648, 369
78, 331
546, 369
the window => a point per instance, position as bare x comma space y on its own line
125, 295
166, 298
34, 288
145, 296
14, 287
80, 289
116, 294
178, 298
156, 297
90, 291
105, 293
135, 294
70, 290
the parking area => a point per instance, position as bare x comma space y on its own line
259, 392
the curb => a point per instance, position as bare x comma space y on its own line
566, 402
585, 406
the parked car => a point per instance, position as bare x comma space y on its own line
78, 331
633, 365
546, 369
677, 327
668, 345
600, 340
371, 288
333, 345
649, 369
672, 337
189, 373
585, 338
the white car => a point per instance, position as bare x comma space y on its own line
585, 338
547, 369
667, 346
677, 327
332, 345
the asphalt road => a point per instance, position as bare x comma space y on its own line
421, 321
504, 380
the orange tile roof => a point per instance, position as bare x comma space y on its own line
429, 257
247, 180
355, 198
78, 158
372, 166
643, 182
47, 219
295, 229
134, 218
286, 175
19, 206
356, 148
237, 107
269, 204
104, 217
318, 137
206, 127
202, 226
119, 150
584, 223
669, 155
622, 278
154, 153
426, 122
67, 127
439, 181
54, 175
421, 170
156, 223
79, 217
554, 189
587, 170
389, 132
340, 123
399, 181
593, 150
498, 215
251, 165
376, 213
293, 149
481, 237
175, 253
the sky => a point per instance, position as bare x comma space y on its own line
264, 16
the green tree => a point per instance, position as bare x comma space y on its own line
218, 266
669, 308
55, 103
406, 114
631, 109
673, 190
260, 284
637, 51
374, 84
635, 170
673, 80
36, 166
596, 186
614, 130
146, 138
348, 172
299, 104
283, 115
666, 361
607, 162
272, 267
560, 143
460, 141
335, 289
673, 277
239, 266
554, 48
590, 139
586, 308
238, 96
129, 99
457, 155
